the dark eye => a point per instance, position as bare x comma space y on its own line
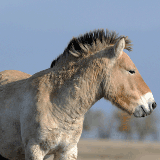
132, 71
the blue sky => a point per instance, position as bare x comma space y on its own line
34, 32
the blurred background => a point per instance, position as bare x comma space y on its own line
34, 32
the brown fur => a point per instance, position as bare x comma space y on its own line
126, 91
7, 76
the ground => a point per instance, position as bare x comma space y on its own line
117, 150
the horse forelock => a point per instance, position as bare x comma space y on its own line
92, 42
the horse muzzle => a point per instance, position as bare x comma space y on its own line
146, 105
142, 111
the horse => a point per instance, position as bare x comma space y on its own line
42, 114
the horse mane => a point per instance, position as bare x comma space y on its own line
92, 42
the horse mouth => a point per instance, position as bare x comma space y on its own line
139, 112
142, 111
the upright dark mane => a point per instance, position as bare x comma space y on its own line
92, 41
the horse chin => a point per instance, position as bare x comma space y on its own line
123, 108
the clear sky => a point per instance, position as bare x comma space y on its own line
34, 32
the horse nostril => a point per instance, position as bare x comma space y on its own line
154, 105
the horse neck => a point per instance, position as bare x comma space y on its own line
77, 96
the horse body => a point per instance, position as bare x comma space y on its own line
43, 114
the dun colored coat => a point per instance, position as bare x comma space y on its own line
43, 114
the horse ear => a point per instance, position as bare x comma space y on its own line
118, 47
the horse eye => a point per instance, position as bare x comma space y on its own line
131, 71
